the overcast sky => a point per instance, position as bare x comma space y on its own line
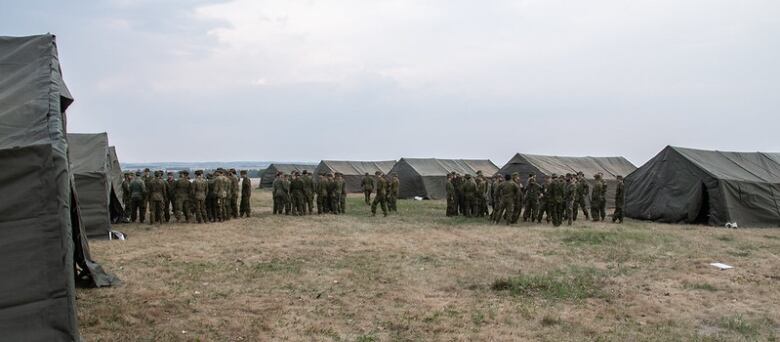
288, 80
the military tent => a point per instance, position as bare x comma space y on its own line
117, 193
41, 241
353, 170
427, 177
94, 166
267, 179
545, 166
682, 185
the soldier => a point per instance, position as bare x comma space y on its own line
532, 193
393, 192
308, 192
137, 190
157, 194
555, 200
334, 194
181, 190
450, 188
234, 191
278, 194
469, 191
518, 206
459, 193
297, 195
146, 178
544, 201
211, 199
506, 192
168, 205
619, 201
582, 191
479, 194
597, 210
126, 196
367, 186
569, 193
340, 191
380, 197
246, 193
322, 194
200, 189
496, 196
221, 185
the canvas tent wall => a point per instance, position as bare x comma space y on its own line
41, 242
545, 166
269, 174
91, 161
427, 177
117, 194
682, 185
353, 170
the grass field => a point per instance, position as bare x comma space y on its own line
420, 276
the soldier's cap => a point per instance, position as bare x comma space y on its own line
378, 173
619, 177
243, 172
305, 172
479, 172
515, 174
199, 172
138, 173
468, 176
170, 173
329, 174
554, 175
531, 174
366, 173
279, 173
146, 169
232, 170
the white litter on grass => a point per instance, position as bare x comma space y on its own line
721, 266
418, 198
732, 225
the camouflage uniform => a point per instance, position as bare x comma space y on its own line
597, 200
555, 194
469, 191
126, 196
532, 193
200, 189
334, 194
569, 192
343, 197
619, 201
234, 192
157, 195
544, 202
507, 191
297, 195
308, 192
146, 178
211, 199
582, 192
137, 199
182, 193
278, 195
246, 194
518, 206
321, 188
367, 186
451, 201
379, 198
392, 194
221, 185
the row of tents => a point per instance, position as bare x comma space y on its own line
48, 185
679, 185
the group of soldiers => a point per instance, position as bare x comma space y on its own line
559, 197
296, 193
210, 198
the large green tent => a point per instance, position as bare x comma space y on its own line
683, 185
353, 170
41, 237
267, 179
427, 177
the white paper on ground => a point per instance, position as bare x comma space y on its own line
721, 266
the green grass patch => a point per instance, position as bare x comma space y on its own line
740, 325
277, 266
700, 287
573, 283
724, 238
548, 321
366, 338
597, 237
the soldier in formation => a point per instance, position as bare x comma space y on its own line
367, 187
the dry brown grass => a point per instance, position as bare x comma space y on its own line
421, 276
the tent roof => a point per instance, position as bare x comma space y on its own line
29, 74
610, 166
287, 168
441, 167
88, 152
355, 167
756, 167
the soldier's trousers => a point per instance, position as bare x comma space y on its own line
379, 201
156, 212
555, 209
278, 204
516, 211
504, 211
182, 209
367, 195
320, 205
221, 209
288, 205
618, 214
392, 202
200, 210
343, 203
451, 210
245, 208
211, 208
137, 209
298, 206
335, 204
579, 204
310, 203
569, 214
597, 210
167, 209
234, 206
531, 206
468, 206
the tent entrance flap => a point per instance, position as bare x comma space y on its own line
703, 210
